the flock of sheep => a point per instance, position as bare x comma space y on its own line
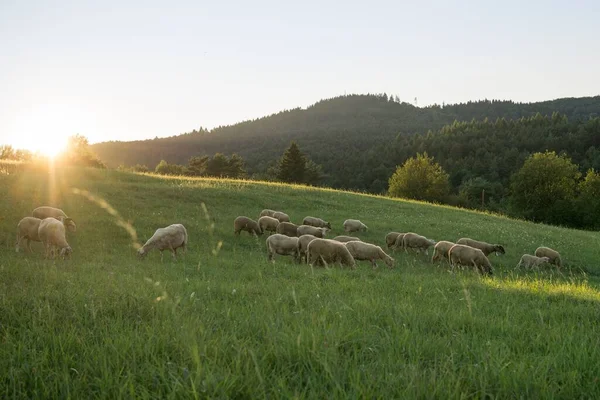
307, 243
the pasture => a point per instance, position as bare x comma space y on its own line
223, 322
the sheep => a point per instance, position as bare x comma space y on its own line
553, 255
267, 213
52, 233
529, 261
329, 251
27, 228
412, 240
369, 252
345, 239
399, 243
303, 242
170, 238
317, 222
282, 245
51, 212
467, 256
281, 216
287, 228
268, 224
246, 224
354, 225
487, 248
390, 239
311, 230
441, 250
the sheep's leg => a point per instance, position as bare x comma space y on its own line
29, 246
174, 253
374, 263
161, 256
17, 244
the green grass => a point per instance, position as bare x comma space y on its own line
223, 322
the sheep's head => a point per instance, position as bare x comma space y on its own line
142, 252
545, 259
65, 252
70, 224
498, 249
328, 226
390, 262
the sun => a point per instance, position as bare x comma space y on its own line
52, 146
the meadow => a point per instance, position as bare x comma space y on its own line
223, 322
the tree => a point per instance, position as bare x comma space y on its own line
197, 165
587, 203
420, 178
544, 188
292, 165
7, 152
78, 152
472, 190
164, 168
236, 167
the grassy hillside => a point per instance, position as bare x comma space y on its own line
224, 322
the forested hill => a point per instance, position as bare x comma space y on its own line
350, 136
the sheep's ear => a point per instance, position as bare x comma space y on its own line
67, 220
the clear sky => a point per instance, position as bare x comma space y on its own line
125, 70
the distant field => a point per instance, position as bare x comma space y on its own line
223, 322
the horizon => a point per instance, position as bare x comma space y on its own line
161, 71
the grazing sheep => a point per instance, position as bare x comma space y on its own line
317, 222
354, 225
267, 213
553, 255
399, 243
345, 239
51, 212
412, 240
390, 239
287, 228
268, 224
28, 229
487, 248
282, 245
281, 216
52, 233
311, 230
170, 238
329, 251
529, 261
441, 250
246, 224
303, 242
469, 256
369, 252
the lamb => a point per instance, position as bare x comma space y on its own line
287, 228
28, 229
390, 239
52, 233
553, 255
487, 248
317, 222
311, 230
329, 251
268, 224
466, 255
529, 261
303, 242
354, 225
345, 239
246, 224
441, 250
414, 241
51, 212
281, 216
369, 252
170, 238
282, 245
267, 213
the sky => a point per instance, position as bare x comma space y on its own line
129, 70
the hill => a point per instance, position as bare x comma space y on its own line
223, 322
350, 136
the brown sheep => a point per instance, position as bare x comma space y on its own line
529, 261
282, 245
345, 239
268, 224
303, 242
369, 252
281, 216
246, 224
487, 248
553, 255
287, 228
51, 212
329, 251
469, 256
311, 230
316, 222
52, 233
414, 241
441, 250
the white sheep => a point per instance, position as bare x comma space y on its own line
27, 228
469, 256
281, 216
412, 240
311, 230
282, 245
170, 238
52, 234
354, 225
390, 238
487, 248
369, 252
303, 242
249, 225
529, 261
344, 238
329, 251
51, 212
317, 222
552, 255
441, 250
268, 224
267, 213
